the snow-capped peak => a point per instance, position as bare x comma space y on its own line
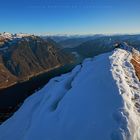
6, 35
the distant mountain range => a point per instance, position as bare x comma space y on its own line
95, 45
71, 41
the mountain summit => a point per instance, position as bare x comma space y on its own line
96, 101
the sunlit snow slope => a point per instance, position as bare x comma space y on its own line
96, 101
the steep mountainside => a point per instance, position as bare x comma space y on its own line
22, 58
6, 78
98, 100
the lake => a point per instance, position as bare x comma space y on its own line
12, 96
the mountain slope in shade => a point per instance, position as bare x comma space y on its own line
94, 101
29, 56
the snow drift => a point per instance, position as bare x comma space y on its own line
96, 101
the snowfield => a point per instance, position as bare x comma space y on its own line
98, 100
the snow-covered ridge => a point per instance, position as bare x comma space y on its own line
96, 101
129, 87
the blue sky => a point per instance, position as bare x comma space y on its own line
70, 16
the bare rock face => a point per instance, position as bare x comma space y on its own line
28, 56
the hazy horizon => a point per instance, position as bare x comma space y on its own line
67, 34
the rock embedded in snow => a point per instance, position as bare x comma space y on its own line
93, 102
